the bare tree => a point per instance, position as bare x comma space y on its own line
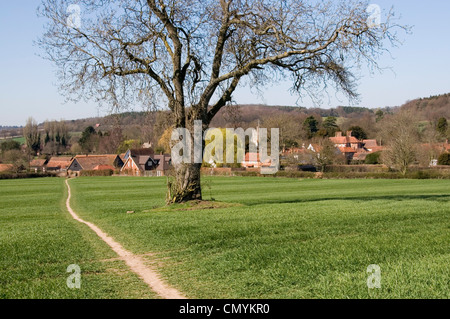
32, 136
327, 154
401, 136
191, 55
290, 128
18, 159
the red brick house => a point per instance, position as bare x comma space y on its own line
343, 142
355, 149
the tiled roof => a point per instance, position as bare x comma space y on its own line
38, 162
142, 152
370, 143
347, 139
344, 140
339, 140
141, 160
164, 162
59, 162
5, 167
89, 162
353, 140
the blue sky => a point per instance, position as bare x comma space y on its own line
420, 68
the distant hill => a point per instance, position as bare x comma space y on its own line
426, 108
141, 124
244, 114
431, 108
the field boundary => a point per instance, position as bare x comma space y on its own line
134, 262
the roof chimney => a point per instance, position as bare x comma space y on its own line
349, 133
338, 134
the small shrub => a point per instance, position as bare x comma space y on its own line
106, 172
9, 175
444, 159
373, 158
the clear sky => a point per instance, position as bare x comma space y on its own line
421, 67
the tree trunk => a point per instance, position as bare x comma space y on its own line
185, 186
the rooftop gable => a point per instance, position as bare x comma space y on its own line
89, 162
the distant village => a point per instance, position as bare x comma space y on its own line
135, 162
145, 161
312, 140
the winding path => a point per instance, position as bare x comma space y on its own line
136, 263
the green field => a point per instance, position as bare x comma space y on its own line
288, 238
21, 140
39, 240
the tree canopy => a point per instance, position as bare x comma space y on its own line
196, 53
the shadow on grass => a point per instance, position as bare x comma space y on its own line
438, 198
193, 205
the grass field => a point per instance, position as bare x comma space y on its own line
39, 240
288, 238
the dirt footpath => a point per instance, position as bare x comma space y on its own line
136, 263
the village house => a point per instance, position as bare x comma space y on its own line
59, 164
95, 163
348, 145
348, 140
164, 164
301, 155
143, 162
38, 165
138, 152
